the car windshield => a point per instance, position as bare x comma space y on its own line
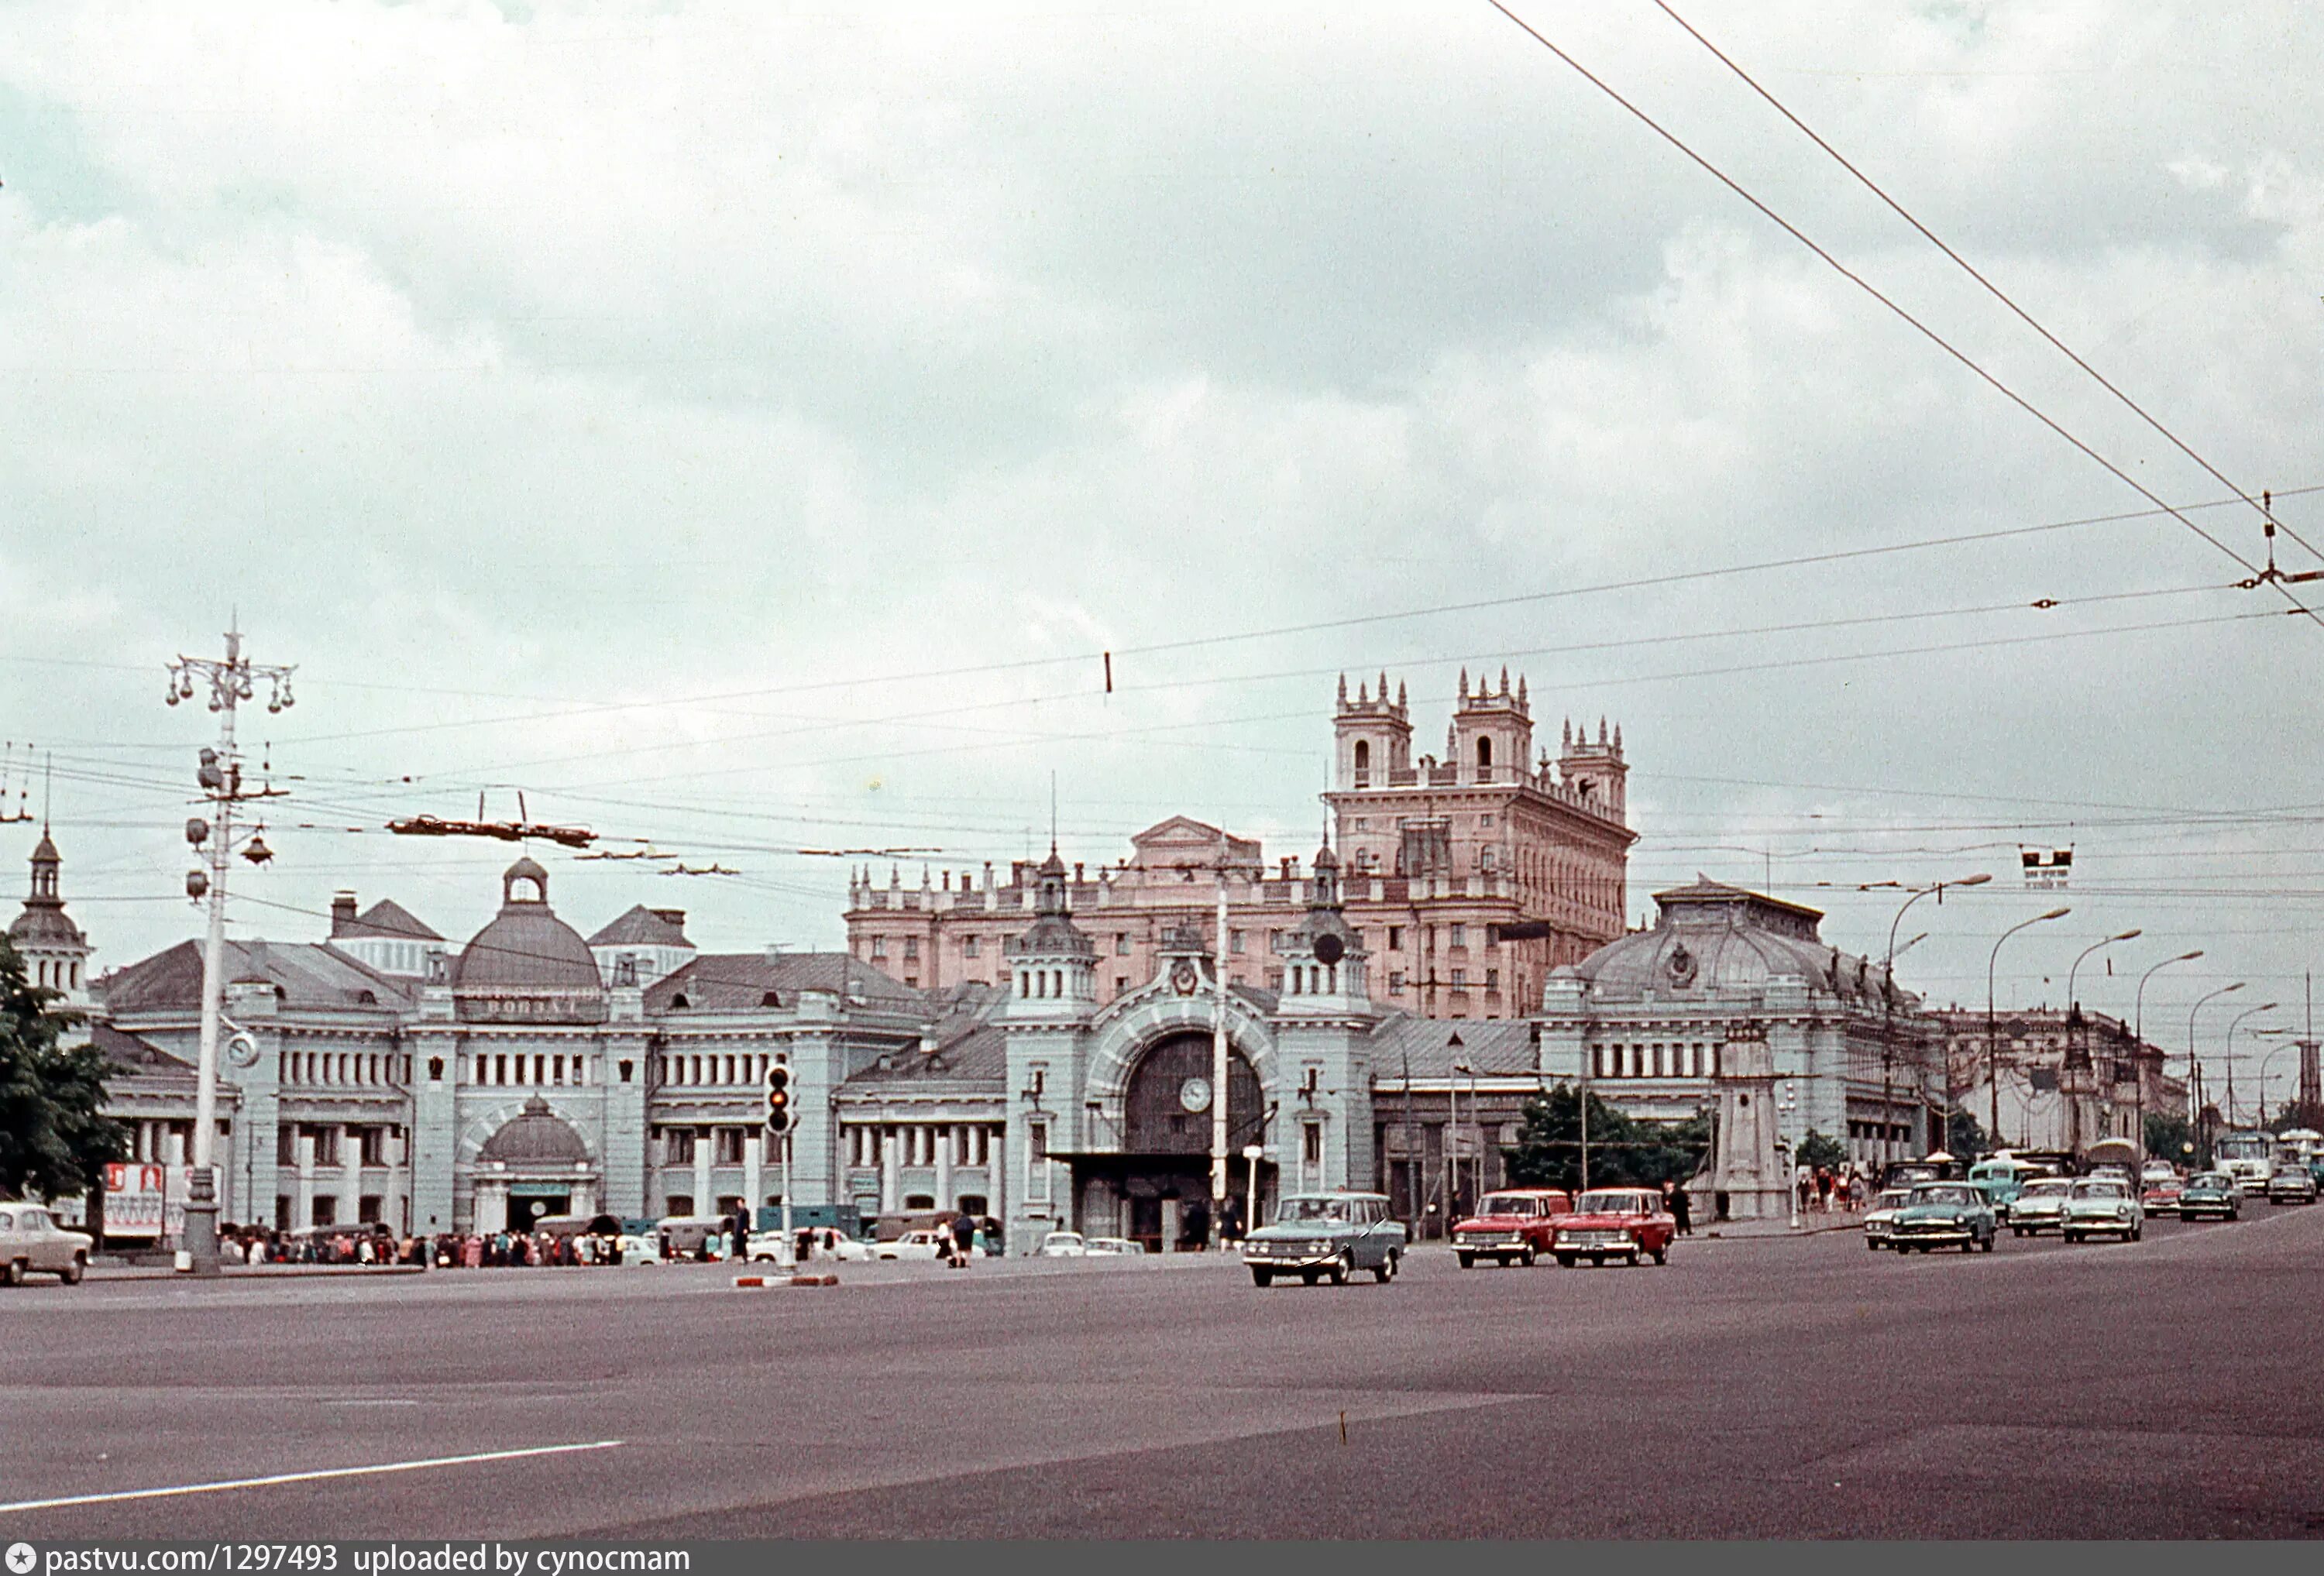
1613, 1203
1895, 1198
2096, 1188
1944, 1192
1335, 1210
1508, 1204
2050, 1188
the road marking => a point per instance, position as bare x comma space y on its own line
220, 1487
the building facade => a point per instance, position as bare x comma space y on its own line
2051, 1079
1469, 878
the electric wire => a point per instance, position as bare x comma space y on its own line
1967, 267
1939, 340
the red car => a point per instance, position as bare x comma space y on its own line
1517, 1224
1615, 1222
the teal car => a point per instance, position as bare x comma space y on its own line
1944, 1214
2211, 1194
1319, 1236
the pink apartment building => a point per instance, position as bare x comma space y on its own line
1470, 877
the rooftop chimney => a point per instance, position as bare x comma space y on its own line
342, 912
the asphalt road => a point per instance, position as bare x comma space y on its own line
1771, 1387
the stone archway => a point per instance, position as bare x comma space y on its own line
1167, 1099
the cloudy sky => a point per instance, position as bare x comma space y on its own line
744, 429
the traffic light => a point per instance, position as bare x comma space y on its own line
779, 1100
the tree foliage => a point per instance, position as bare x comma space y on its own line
1964, 1137
54, 1134
2168, 1134
1822, 1150
1624, 1151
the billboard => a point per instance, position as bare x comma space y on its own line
135, 1197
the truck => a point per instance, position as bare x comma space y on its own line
2247, 1155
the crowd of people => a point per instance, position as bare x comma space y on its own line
375, 1245
1821, 1189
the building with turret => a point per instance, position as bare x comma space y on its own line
1469, 878
54, 952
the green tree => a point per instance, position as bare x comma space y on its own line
2168, 1136
54, 1134
1964, 1138
1624, 1152
1821, 1149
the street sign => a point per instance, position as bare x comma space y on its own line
2046, 870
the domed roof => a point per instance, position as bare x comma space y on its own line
526, 947
1710, 937
537, 1137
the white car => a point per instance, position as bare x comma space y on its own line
931, 1245
2041, 1207
1064, 1245
2102, 1206
32, 1243
823, 1242
1096, 1247
637, 1251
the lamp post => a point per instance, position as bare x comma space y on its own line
1992, 1050
2195, 1063
1889, 1004
2265, 1062
2138, 1049
1476, 1131
2077, 1031
2230, 1053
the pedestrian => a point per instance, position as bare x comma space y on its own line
1823, 1188
963, 1239
1681, 1212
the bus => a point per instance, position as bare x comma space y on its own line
2247, 1155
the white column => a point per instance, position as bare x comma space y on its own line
889, 1203
754, 1161
350, 1175
703, 1144
306, 1151
941, 1133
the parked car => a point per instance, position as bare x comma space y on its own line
2042, 1206
1516, 1224
1315, 1235
2212, 1193
2291, 1184
1615, 1222
635, 1249
1101, 1247
1064, 1245
1880, 1220
2102, 1206
32, 1243
1945, 1214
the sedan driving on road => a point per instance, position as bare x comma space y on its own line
2102, 1206
1945, 1214
2041, 1207
1615, 1223
2291, 1184
1880, 1220
32, 1243
1317, 1235
2212, 1193
1515, 1225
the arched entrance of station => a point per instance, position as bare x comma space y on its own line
1158, 1188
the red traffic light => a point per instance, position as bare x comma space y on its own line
779, 1100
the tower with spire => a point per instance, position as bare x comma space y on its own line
1596, 772
1374, 735
54, 952
1492, 730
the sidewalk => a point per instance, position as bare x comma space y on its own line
1810, 1223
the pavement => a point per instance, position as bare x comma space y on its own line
1800, 1387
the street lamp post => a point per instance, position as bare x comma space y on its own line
1888, 1006
2265, 1062
1477, 1132
2195, 1063
1992, 1050
2230, 1053
2138, 1036
2078, 1029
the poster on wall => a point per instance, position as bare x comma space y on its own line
135, 1198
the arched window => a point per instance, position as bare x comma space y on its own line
1363, 756
1484, 754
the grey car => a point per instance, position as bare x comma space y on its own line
1317, 1235
32, 1243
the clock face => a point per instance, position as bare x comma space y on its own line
1195, 1094
242, 1051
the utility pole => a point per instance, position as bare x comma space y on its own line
1220, 1160
231, 681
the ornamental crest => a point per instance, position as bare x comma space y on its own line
1681, 964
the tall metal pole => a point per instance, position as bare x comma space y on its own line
2236, 1024
230, 682
1992, 1050
1888, 1014
1219, 1085
2195, 1062
2138, 1047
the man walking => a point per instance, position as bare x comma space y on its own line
963, 1240
1675, 1197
